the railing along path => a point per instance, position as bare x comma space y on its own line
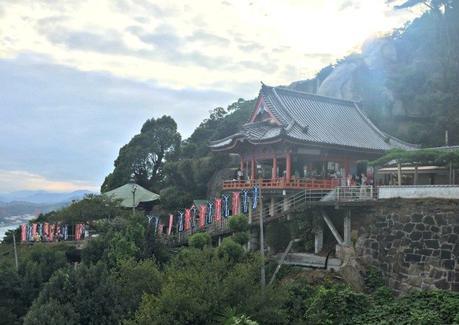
279, 209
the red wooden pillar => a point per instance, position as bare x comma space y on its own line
252, 174
288, 168
274, 168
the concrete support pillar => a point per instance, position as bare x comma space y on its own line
347, 228
271, 207
219, 240
288, 168
318, 240
241, 167
286, 204
254, 239
274, 173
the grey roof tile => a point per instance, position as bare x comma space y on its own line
312, 118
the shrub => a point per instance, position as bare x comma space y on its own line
336, 304
239, 223
199, 240
230, 248
241, 237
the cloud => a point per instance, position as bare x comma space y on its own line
15, 180
108, 42
210, 39
349, 4
67, 124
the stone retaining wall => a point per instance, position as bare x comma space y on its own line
415, 243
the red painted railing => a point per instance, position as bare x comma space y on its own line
281, 183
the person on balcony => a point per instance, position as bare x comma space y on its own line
240, 175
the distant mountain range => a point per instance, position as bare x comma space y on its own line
22, 203
42, 197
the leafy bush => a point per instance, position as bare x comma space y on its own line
425, 307
373, 279
231, 249
239, 223
241, 237
335, 304
199, 240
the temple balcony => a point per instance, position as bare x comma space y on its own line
282, 183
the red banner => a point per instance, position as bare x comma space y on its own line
46, 231
171, 221
23, 232
51, 231
202, 216
235, 203
77, 231
187, 219
218, 209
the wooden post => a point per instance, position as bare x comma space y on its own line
415, 178
252, 172
318, 240
288, 168
399, 174
242, 164
347, 228
450, 172
262, 244
15, 252
274, 173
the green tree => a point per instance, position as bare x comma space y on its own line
144, 155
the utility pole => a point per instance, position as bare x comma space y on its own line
15, 251
134, 188
262, 242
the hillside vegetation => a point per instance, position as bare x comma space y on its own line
126, 276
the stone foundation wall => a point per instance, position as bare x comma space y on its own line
415, 243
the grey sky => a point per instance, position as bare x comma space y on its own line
78, 78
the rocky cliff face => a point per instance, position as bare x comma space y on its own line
360, 76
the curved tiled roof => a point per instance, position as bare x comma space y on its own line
314, 119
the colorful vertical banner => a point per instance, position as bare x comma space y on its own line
51, 232
210, 212
187, 219
202, 216
77, 232
46, 231
34, 230
171, 221
245, 201
218, 210
156, 225
180, 221
23, 232
194, 213
256, 193
235, 203
226, 206
29, 233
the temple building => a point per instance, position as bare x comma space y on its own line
295, 140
